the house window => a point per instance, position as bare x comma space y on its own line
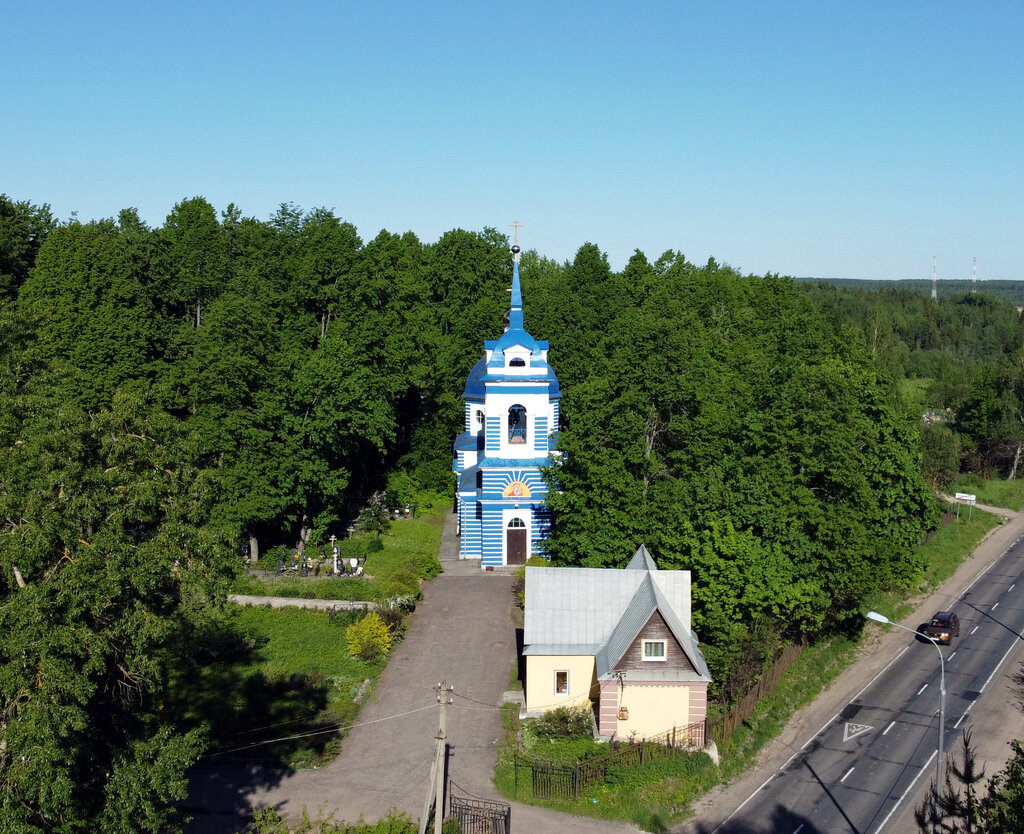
562, 683
654, 649
481, 418
518, 362
517, 424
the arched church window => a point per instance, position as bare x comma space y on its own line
517, 424
518, 362
516, 523
481, 418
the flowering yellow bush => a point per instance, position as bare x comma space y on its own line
369, 638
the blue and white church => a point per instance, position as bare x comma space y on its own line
512, 400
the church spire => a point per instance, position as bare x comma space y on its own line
515, 314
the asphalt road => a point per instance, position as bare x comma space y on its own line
867, 766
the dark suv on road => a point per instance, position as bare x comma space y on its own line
944, 626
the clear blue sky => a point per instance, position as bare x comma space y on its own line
829, 139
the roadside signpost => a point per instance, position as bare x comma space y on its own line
968, 499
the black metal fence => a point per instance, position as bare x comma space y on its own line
476, 815
546, 779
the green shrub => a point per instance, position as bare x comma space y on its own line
370, 638
269, 821
427, 566
401, 492
392, 613
565, 722
403, 582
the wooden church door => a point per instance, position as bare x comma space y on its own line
515, 542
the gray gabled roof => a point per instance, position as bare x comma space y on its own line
641, 560
600, 611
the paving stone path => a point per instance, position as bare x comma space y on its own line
463, 632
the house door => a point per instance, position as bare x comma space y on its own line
515, 542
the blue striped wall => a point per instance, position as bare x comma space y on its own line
540, 434
493, 439
470, 547
491, 535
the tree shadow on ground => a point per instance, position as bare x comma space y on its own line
781, 821
256, 724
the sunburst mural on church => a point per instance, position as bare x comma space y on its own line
515, 485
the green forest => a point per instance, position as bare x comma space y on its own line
172, 398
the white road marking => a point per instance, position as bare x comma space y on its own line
1014, 585
1000, 663
986, 570
950, 657
974, 630
744, 802
994, 607
910, 787
891, 725
833, 718
876, 677
853, 730
846, 774
922, 689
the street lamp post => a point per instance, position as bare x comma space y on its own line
940, 764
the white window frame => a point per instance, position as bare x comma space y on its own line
565, 672
648, 658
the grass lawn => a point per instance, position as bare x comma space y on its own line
993, 491
651, 796
279, 683
276, 683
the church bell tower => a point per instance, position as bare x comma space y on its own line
512, 400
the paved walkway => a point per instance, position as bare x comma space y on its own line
464, 633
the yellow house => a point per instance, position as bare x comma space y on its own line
619, 640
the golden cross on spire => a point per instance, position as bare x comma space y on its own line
515, 224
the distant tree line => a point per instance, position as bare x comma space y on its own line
960, 360
1011, 292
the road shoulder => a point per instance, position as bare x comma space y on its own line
877, 650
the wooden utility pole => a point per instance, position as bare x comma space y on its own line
435, 791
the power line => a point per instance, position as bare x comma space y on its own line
332, 729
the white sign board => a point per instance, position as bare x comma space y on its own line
967, 498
